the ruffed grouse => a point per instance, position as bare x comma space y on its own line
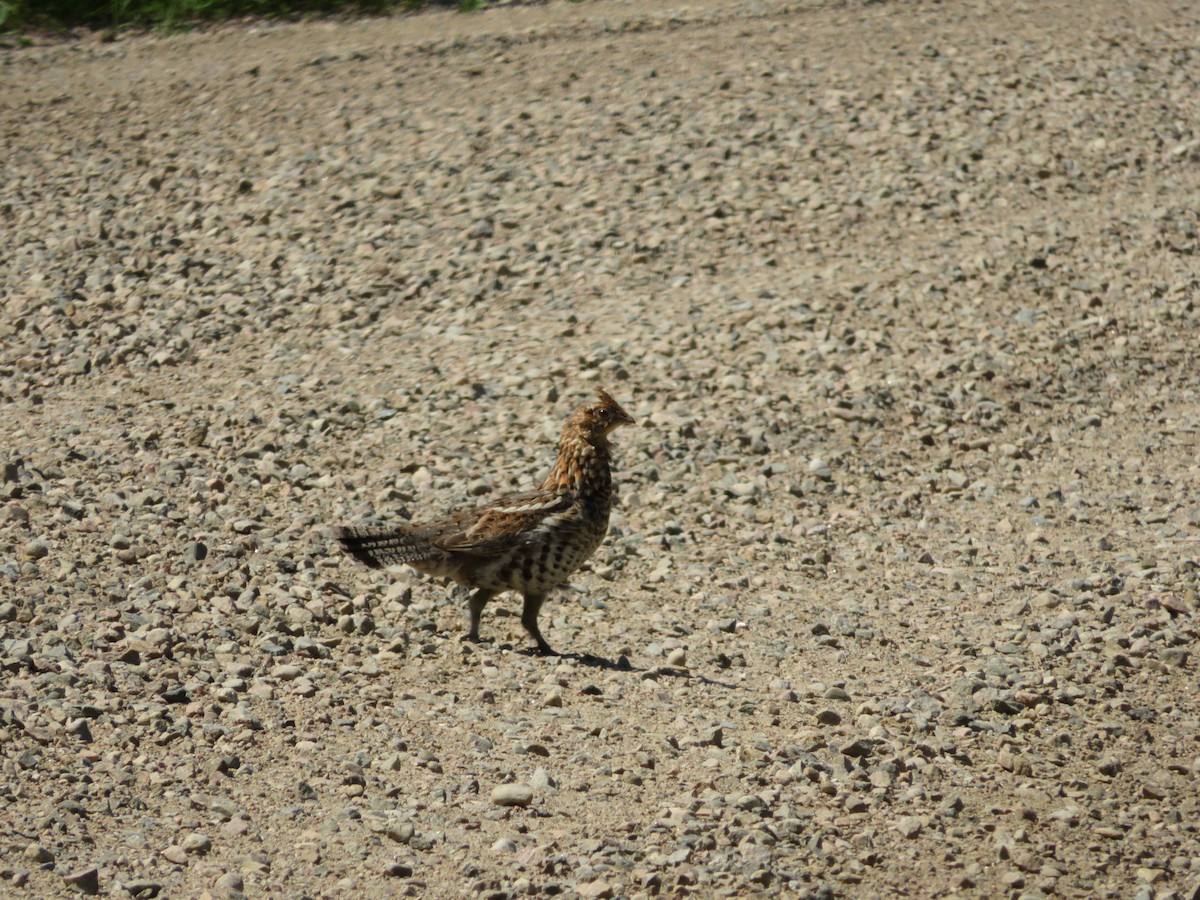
529, 542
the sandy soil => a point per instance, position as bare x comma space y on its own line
900, 598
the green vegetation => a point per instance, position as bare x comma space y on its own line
18, 14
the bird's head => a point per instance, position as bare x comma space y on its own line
601, 416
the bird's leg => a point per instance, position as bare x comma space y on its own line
478, 601
529, 618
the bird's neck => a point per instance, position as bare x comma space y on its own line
582, 466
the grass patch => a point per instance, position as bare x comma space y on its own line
57, 14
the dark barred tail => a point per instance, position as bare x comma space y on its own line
379, 546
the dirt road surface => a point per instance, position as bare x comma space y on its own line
900, 597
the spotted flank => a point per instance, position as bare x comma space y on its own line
545, 504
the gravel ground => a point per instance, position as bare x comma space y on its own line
900, 597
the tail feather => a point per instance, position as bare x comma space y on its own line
378, 546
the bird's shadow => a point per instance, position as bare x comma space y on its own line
695, 676
623, 664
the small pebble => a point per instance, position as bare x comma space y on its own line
196, 843
86, 881
38, 854
909, 826
35, 550
512, 795
230, 881
820, 469
175, 854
